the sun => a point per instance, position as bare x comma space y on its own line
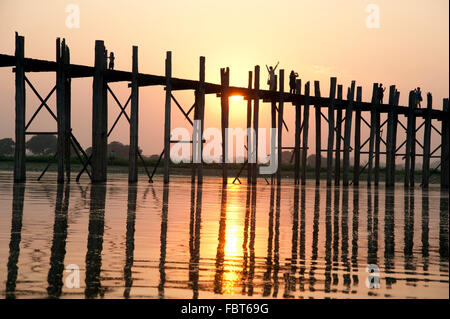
236, 98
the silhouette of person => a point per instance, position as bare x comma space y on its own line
418, 97
292, 78
111, 61
271, 80
380, 92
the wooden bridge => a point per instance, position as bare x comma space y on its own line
95, 165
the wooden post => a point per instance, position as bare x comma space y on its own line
390, 140
337, 163
224, 101
255, 124
201, 116
413, 147
330, 130
357, 156
347, 133
426, 143
409, 140
298, 123
318, 134
19, 150
134, 120
249, 125
99, 116
167, 116
377, 143
305, 132
280, 127
372, 131
445, 141
273, 118
67, 106
60, 110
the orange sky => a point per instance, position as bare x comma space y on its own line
318, 39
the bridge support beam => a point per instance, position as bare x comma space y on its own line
318, 158
445, 141
63, 99
298, 124
280, 128
372, 132
225, 110
167, 116
255, 125
19, 151
391, 138
357, 155
134, 121
99, 116
249, 134
331, 130
347, 133
305, 132
338, 132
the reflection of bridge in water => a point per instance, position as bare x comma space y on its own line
95, 165
332, 240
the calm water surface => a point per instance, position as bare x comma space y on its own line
184, 241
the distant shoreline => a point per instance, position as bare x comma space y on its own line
38, 164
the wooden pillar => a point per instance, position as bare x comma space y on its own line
273, 118
298, 124
445, 141
372, 131
63, 110
337, 163
280, 127
249, 125
99, 116
390, 139
60, 110
347, 133
426, 143
318, 134
409, 140
330, 130
167, 116
377, 144
68, 107
19, 150
357, 155
224, 102
305, 132
413, 147
134, 120
255, 125
201, 116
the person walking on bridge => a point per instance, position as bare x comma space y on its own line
292, 78
271, 80
111, 61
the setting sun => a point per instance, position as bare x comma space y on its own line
236, 98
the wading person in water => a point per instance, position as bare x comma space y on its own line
292, 78
111, 61
271, 80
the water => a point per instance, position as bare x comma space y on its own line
148, 241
